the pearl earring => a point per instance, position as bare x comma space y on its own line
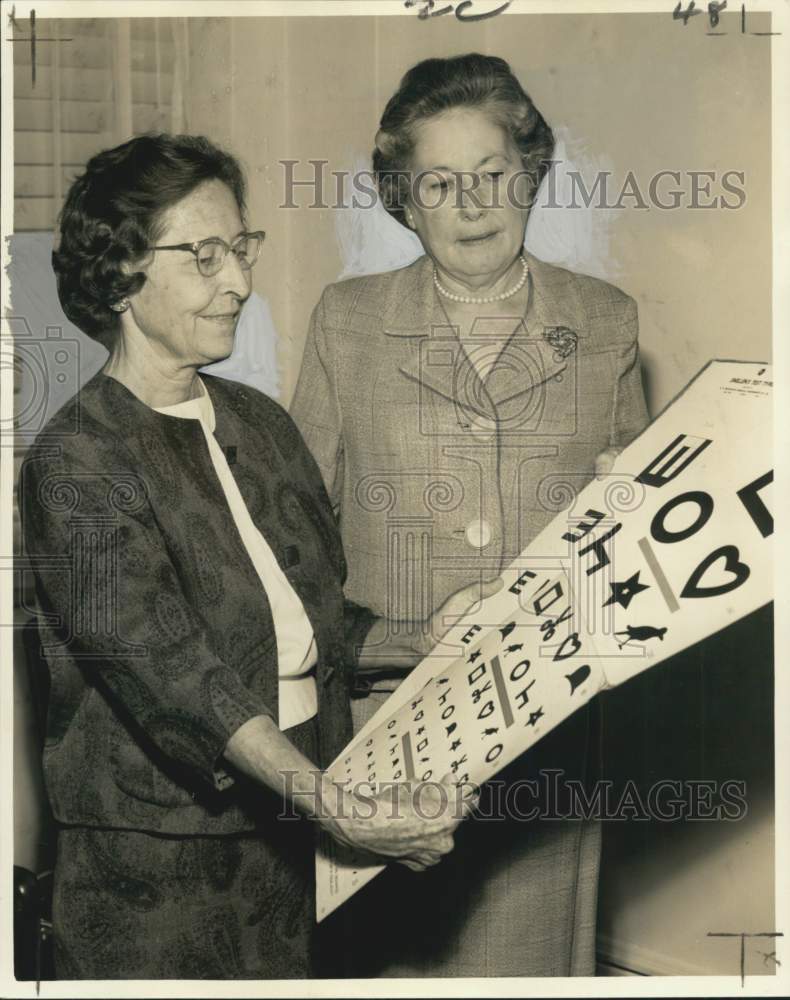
121, 306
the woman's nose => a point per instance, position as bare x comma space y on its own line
234, 277
471, 206
472, 211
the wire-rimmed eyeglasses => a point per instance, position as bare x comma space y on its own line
210, 253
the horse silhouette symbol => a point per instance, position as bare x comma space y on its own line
640, 633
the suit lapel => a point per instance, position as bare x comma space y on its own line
537, 351
427, 348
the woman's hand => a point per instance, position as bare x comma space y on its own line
605, 461
390, 648
409, 822
454, 610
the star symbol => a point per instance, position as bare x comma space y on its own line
624, 593
534, 716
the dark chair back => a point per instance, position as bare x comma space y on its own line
33, 946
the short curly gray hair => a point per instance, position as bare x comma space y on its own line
437, 85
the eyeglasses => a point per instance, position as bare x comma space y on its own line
210, 253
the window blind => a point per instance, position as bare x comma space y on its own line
97, 82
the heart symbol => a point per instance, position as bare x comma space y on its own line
732, 564
573, 640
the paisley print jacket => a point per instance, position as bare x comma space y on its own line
156, 631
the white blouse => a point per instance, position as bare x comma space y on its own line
296, 648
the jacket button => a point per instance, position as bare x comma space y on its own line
478, 534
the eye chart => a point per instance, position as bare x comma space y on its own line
669, 548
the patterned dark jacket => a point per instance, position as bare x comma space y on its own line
157, 633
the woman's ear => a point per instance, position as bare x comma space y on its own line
138, 264
130, 267
410, 218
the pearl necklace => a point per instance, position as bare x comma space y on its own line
470, 300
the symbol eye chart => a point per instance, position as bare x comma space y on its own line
671, 547
468, 720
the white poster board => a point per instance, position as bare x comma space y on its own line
668, 549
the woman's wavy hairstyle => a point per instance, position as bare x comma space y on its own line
114, 212
438, 85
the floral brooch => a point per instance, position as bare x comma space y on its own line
562, 339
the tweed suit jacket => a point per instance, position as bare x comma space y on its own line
439, 478
157, 633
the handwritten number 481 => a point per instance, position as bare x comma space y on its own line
715, 7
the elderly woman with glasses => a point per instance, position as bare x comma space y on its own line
189, 576
449, 405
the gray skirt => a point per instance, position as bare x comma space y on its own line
515, 898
